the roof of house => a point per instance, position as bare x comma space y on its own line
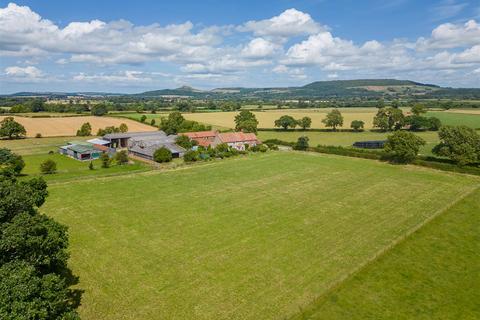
127, 135
231, 137
200, 134
98, 141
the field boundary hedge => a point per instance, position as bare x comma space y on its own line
428, 162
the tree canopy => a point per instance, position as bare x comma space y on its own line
286, 122
246, 121
461, 144
34, 276
388, 119
11, 161
11, 129
305, 122
333, 119
85, 130
403, 146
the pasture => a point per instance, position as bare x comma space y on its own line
38, 146
68, 126
68, 168
345, 139
256, 237
432, 275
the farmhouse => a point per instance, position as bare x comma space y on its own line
144, 146
237, 140
82, 150
203, 138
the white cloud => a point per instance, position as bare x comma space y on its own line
120, 77
471, 55
289, 23
23, 72
450, 35
259, 48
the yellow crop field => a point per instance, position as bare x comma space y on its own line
266, 119
68, 126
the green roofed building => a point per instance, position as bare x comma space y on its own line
82, 150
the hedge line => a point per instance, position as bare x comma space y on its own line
429, 162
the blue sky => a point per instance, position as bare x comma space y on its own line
133, 46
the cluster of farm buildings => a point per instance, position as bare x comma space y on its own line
144, 144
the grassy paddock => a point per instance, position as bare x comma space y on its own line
345, 139
252, 238
68, 168
38, 146
431, 275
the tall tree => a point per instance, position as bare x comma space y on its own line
11, 161
85, 130
34, 276
403, 146
461, 144
173, 123
418, 109
246, 121
388, 119
11, 129
286, 122
333, 119
305, 122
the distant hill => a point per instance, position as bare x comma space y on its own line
361, 88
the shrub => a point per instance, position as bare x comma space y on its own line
191, 156
302, 143
105, 159
48, 166
123, 127
38, 135
259, 148
85, 130
357, 125
90, 166
403, 147
152, 122
11, 161
143, 118
121, 157
162, 155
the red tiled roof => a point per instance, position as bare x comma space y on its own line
204, 143
100, 147
231, 137
200, 134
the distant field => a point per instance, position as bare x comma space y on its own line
260, 238
68, 168
345, 139
38, 146
267, 118
432, 275
68, 126
455, 118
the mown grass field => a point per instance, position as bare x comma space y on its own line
432, 275
68, 168
38, 146
456, 118
257, 237
345, 139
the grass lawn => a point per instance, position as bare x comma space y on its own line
68, 168
38, 146
345, 139
255, 237
432, 275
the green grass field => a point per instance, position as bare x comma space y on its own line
345, 139
68, 168
255, 237
432, 275
38, 146
457, 119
